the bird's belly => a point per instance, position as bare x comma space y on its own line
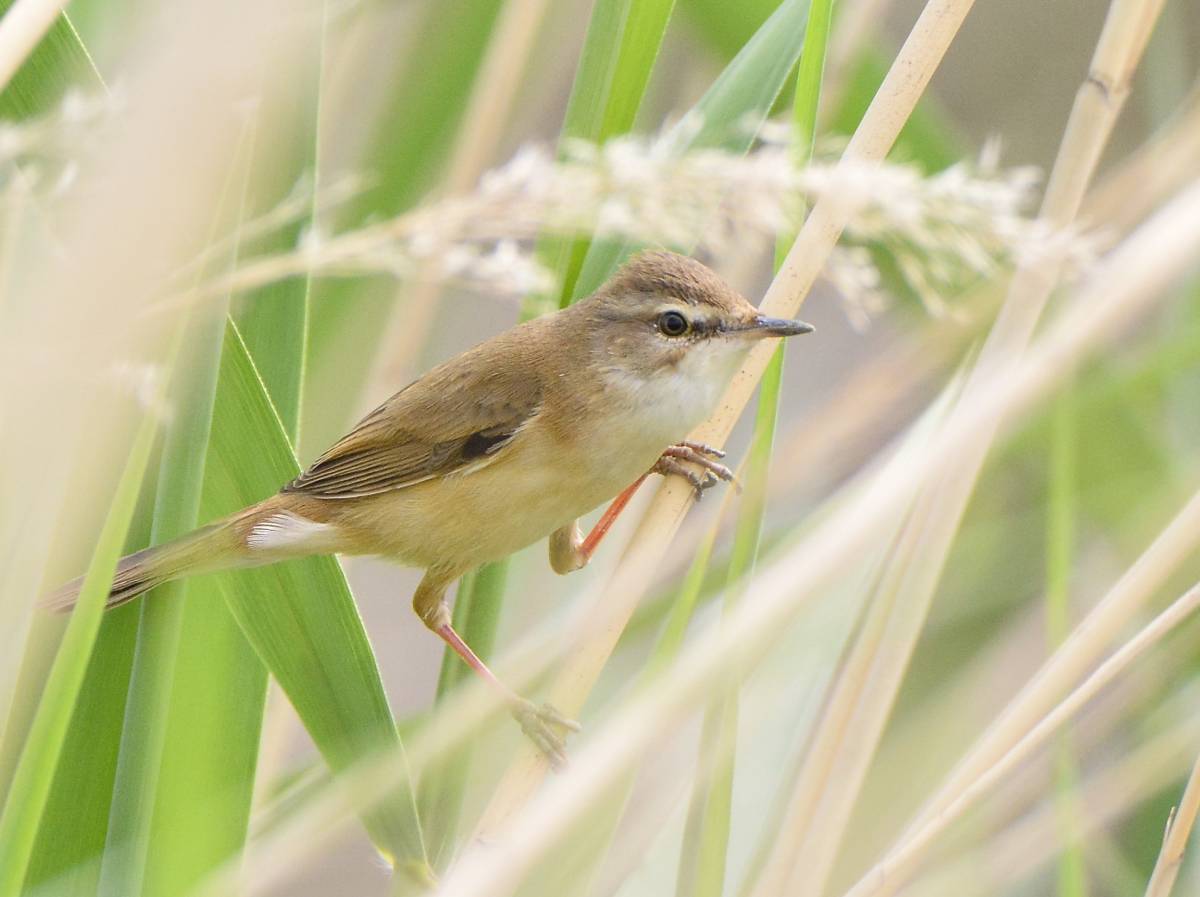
463, 521
544, 483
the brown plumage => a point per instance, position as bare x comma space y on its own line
507, 443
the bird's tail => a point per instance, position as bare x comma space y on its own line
213, 547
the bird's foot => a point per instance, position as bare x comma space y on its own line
546, 728
672, 463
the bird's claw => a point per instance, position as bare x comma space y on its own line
541, 724
703, 448
670, 464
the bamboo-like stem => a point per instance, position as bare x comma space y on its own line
22, 27
1106, 795
1122, 289
882, 388
897, 96
1128, 595
846, 736
1179, 829
703, 857
1097, 105
1155, 171
895, 869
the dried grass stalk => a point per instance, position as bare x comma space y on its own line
1179, 828
896, 868
890, 109
1097, 105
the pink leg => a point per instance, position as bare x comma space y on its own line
539, 723
447, 634
604, 524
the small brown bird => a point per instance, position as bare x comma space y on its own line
511, 441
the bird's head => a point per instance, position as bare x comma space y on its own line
664, 315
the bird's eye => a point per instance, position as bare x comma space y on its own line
672, 323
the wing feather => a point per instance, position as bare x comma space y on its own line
448, 422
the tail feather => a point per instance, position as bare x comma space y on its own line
204, 550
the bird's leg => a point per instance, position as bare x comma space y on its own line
542, 723
570, 550
703, 456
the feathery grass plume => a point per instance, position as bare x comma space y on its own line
941, 231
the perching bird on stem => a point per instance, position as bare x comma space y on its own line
510, 442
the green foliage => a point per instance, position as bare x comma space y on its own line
28, 797
928, 138
724, 27
404, 156
59, 62
618, 56
299, 616
703, 859
130, 853
727, 116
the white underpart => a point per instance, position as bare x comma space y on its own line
284, 531
669, 405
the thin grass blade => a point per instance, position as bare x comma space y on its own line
703, 855
623, 40
143, 752
299, 615
728, 115
32, 782
59, 62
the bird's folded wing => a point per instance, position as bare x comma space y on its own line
416, 436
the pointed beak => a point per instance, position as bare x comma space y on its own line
760, 327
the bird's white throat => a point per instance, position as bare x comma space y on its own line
669, 403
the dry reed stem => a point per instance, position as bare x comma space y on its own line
890, 109
1102, 730
895, 869
830, 780
914, 752
1107, 794
1179, 828
1123, 288
1097, 105
880, 390
24, 24
1155, 171
1128, 595
845, 739
484, 120
1082, 647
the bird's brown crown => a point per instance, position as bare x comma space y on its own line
669, 274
